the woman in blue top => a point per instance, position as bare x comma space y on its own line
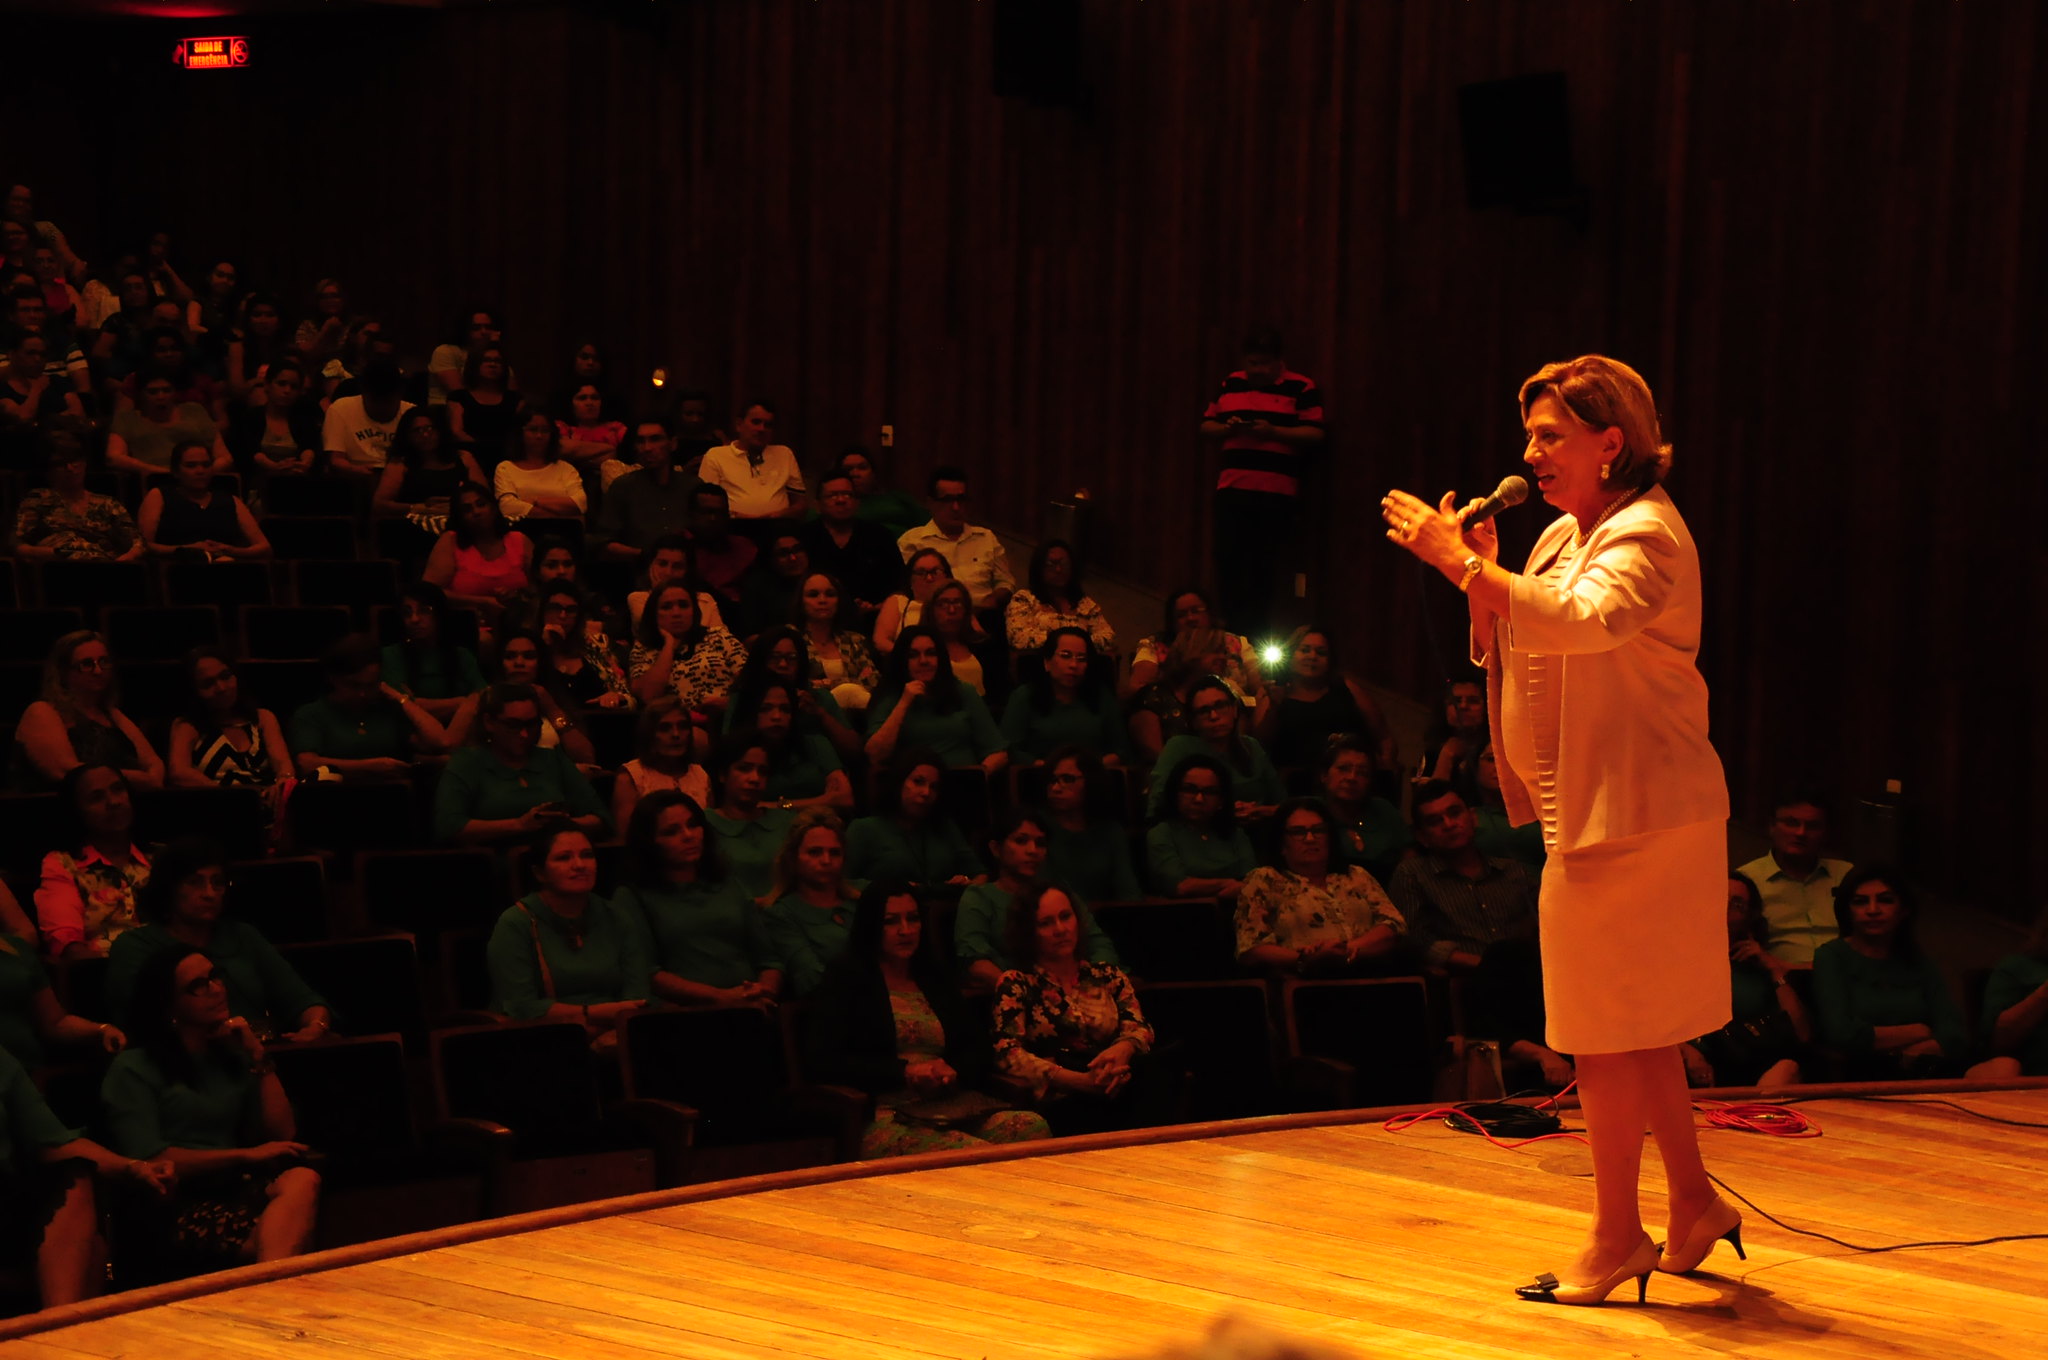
562, 952
1197, 849
508, 786
2016, 1010
1213, 713
1884, 1006
924, 705
1068, 702
711, 944
910, 838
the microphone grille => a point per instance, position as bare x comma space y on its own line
1513, 490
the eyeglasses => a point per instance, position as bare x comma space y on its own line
198, 986
93, 663
1306, 833
1200, 791
1067, 779
927, 571
949, 500
1211, 710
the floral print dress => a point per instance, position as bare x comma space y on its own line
1281, 908
1042, 1026
920, 1038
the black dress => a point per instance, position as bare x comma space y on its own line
186, 521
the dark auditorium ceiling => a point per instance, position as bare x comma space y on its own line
209, 9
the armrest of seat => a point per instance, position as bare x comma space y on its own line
471, 1142
848, 1109
1329, 1082
665, 1126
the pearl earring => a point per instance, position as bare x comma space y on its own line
1603, 470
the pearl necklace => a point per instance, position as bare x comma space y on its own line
1624, 499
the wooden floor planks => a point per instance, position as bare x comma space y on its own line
1390, 1244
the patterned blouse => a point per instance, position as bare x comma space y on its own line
1029, 620
1155, 649
1281, 908
97, 531
856, 663
703, 675
86, 898
219, 760
1041, 1026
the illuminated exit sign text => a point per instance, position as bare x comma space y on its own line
211, 54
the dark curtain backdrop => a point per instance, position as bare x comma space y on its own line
1814, 226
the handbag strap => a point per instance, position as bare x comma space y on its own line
547, 975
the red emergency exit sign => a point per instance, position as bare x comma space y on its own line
211, 54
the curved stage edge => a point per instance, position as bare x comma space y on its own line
1927, 1173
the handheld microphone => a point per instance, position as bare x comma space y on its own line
1511, 491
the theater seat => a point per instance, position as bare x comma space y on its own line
372, 983
360, 586
432, 891
1379, 1027
293, 632
91, 585
225, 585
294, 537
1170, 939
345, 817
30, 633
231, 817
285, 897
159, 632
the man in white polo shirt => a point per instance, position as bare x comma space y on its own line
761, 479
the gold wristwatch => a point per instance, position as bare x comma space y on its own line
1473, 566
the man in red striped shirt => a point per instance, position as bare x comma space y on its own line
1268, 418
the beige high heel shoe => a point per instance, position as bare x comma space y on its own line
1640, 1263
1722, 1222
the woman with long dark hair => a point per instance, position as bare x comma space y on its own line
1214, 717
426, 662
1066, 701
924, 705
223, 740
482, 561
1883, 1004
87, 888
712, 943
1196, 848
1055, 598
1017, 844
425, 469
909, 837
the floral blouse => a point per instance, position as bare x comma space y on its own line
99, 530
86, 898
856, 663
702, 676
1028, 621
1155, 649
1041, 1026
1281, 908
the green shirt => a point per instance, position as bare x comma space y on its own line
1175, 852
429, 678
22, 979
807, 938
218, 1107
932, 851
961, 737
1855, 993
1800, 911
479, 786
749, 848
711, 933
899, 510
1258, 782
327, 730
802, 767
984, 920
26, 1123
602, 957
1495, 836
2013, 981
1753, 990
262, 988
1094, 862
1033, 735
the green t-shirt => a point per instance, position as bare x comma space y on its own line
22, 979
1258, 782
602, 957
2012, 982
808, 938
1176, 851
151, 443
959, 738
802, 768
262, 988
1855, 993
379, 731
1094, 862
26, 1123
709, 933
983, 921
425, 674
932, 851
1375, 841
898, 510
479, 786
749, 847
218, 1107
1033, 736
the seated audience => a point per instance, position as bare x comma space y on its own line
479, 327
86, 891
537, 479
926, 570
980, 939
925, 705
166, 355
506, 786
196, 1089
1762, 1043
1159, 712
648, 501
482, 562
665, 746
1066, 702
676, 652
521, 662
1371, 832
839, 662
859, 554
357, 433
1196, 849
750, 832
1068, 1030
772, 592
79, 721
32, 1019
810, 903
803, 769
224, 741
29, 396
277, 433
909, 838
1453, 740
759, 477
576, 656
711, 942
1189, 611
695, 434
590, 439
1055, 599
723, 557
364, 728
1315, 700
64, 522
777, 656
47, 1197
1458, 902
181, 906
885, 1020
427, 662
897, 511
1311, 913
673, 558
424, 471
321, 335
562, 952
973, 551
141, 440
1213, 718
1798, 883
189, 516
1884, 1006
1497, 835
1085, 853
950, 616
2015, 1006
483, 414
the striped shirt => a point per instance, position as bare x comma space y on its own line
1249, 462
1448, 912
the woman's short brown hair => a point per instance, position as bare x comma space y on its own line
1603, 393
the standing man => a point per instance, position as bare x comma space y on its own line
761, 479
860, 553
646, 501
1798, 886
1268, 418
975, 553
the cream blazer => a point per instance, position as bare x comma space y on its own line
1622, 630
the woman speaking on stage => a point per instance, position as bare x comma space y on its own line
1600, 727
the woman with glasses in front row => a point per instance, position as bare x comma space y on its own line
1310, 913
79, 721
1197, 850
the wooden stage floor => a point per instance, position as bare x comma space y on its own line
1380, 1244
